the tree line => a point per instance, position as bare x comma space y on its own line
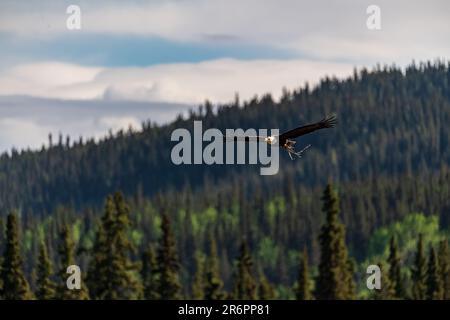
116, 269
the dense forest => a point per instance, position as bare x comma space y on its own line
225, 231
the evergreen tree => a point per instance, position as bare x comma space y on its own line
213, 282
335, 279
265, 288
14, 283
45, 286
303, 290
149, 274
435, 288
198, 284
387, 291
169, 286
245, 287
112, 275
419, 272
66, 251
394, 274
444, 268
100, 261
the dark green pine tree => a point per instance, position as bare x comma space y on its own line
169, 286
245, 286
149, 274
335, 279
213, 282
435, 286
303, 288
112, 275
97, 276
45, 286
265, 288
444, 268
419, 272
124, 274
198, 284
395, 274
387, 291
66, 251
14, 283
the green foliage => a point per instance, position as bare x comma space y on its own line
405, 232
198, 292
395, 274
66, 251
419, 272
387, 290
213, 283
45, 286
444, 268
303, 289
112, 273
14, 284
335, 279
435, 285
149, 274
265, 288
169, 286
245, 285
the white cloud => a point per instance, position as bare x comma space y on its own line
188, 83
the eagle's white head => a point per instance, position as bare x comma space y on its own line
271, 140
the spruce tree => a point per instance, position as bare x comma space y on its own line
419, 272
169, 286
387, 290
66, 251
444, 268
435, 287
213, 282
99, 264
112, 275
245, 287
149, 274
303, 289
45, 286
335, 279
265, 288
199, 278
394, 274
14, 283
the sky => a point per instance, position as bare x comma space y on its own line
150, 60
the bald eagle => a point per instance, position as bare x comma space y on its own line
285, 140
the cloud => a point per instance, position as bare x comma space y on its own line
27, 121
185, 83
319, 29
36, 99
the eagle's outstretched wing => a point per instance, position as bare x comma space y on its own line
328, 122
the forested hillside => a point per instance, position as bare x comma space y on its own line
390, 123
388, 158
